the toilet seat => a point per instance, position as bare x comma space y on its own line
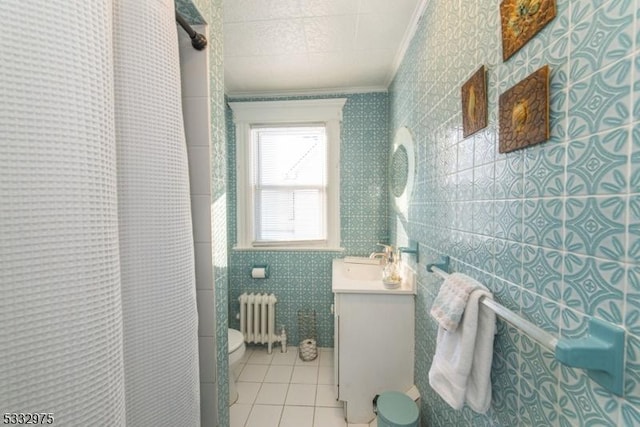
236, 339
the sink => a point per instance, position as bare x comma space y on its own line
359, 275
353, 271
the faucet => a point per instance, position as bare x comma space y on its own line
386, 256
381, 255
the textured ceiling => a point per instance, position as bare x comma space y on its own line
314, 46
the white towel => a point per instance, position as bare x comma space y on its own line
461, 368
452, 299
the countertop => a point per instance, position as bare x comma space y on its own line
342, 284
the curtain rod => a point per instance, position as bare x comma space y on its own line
198, 41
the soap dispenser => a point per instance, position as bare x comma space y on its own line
391, 271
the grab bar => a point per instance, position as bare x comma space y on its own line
601, 353
540, 335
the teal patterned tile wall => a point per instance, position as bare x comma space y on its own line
210, 12
552, 229
189, 11
301, 280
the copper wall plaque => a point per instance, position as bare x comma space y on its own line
474, 103
524, 112
521, 20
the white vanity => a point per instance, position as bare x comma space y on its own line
373, 336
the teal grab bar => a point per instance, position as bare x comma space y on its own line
442, 264
601, 353
412, 249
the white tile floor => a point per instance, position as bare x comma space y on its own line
279, 389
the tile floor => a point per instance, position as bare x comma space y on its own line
279, 389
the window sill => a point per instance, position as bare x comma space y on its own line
286, 249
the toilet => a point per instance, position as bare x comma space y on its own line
236, 351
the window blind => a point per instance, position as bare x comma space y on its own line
290, 183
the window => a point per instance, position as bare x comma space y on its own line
290, 183
287, 163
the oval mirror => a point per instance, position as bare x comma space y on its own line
402, 169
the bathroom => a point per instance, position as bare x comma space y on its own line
551, 230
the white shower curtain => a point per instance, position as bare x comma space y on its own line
156, 242
98, 318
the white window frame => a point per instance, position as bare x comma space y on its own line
286, 113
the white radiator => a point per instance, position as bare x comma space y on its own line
258, 319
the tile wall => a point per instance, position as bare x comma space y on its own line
301, 280
194, 67
210, 12
552, 229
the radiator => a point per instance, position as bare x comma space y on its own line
258, 319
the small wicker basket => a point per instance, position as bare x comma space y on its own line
308, 347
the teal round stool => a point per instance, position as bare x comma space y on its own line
396, 409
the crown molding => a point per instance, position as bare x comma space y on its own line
406, 40
312, 92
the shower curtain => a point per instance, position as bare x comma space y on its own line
98, 321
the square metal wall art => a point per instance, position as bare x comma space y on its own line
521, 20
474, 103
524, 112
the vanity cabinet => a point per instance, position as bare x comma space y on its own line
373, 348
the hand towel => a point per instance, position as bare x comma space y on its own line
461, 368
452, 298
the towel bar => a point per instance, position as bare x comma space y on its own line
601, 353
412, 249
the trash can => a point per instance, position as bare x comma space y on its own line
396, 409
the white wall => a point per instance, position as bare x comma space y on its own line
194, 66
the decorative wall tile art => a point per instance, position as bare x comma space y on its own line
521, 20
474, 103
524, 112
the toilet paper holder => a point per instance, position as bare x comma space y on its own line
260, 271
